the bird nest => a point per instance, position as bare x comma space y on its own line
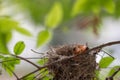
80, 67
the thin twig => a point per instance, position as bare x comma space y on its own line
18, 59
112, 76
13, 73
30, 74
108, 54
115, 72
26, 60
39, 74
94, 48
45, 66
8, 60
104, 45
36, 51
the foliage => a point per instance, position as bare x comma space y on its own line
7, 25
19, 47
31, 77
9, 62
112, 71
43, 37
51, 14
93, 6
23, 31
9, 66
42, 61
105, 62
54, 17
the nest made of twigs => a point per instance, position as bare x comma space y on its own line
81, 67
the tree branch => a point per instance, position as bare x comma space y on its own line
26, 60
111, 77
94, 48
104, 45
13, 73
18, 59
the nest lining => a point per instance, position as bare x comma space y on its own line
81, 67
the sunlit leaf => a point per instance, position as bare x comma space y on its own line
46, 78
113, 70
8, 68
117, 9
55, 15
97, 73
23, 31
30, 77
36, 9
19, 47
78, 7
3, 44
96, 9
1, 57
105, 62
96, 6
43, 37
8, 36
7, 25
45, 73
9, 65
110, 6
67, 7
42, 70
42, 61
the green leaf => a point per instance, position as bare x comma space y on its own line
78, 7
110, 6
105, 62
1, 57
117, 9
97, 73
43, 37
45, 74
8, 68
96, 7
37, 9
19, 47
10, 63
7, 25
23, 31
55, 15
43, 70
42, 61
30, 77
46, 78
3, 44
8, 36
113, 70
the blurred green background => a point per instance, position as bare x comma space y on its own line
43, 23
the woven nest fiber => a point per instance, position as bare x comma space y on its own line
81, 67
